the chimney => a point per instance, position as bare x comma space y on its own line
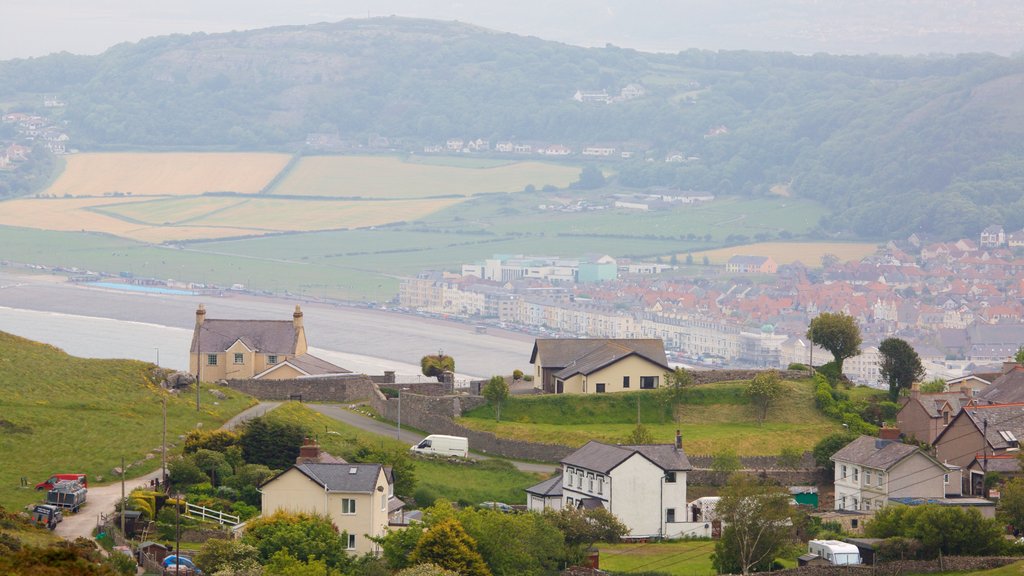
309, 451
1009, 365
200, 315
679, 440
297, 317
887, 433
966, 390
915, 390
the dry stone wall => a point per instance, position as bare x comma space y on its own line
966, 564
341, 388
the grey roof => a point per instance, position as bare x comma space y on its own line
932, 402
601, 357
1006, 389
604, 458
874, 452
315, 366
560, 352
999, 464
1000, 418
358, 478
549, 487
266, 336
591, 503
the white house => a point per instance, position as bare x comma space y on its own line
644, 486
870, 471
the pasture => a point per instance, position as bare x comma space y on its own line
167, 173
683, 558
380, 177
808, 253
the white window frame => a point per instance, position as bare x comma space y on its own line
271, 358
239, 358
348, 506
211, 359
844, 472
351, 544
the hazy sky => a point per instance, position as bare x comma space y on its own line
33, 28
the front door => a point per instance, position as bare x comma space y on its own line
559, 388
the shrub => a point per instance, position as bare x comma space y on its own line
216, 440
517, 374
797, 366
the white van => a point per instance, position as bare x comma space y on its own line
442, 445
835, 551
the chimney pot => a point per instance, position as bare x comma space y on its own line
679, 440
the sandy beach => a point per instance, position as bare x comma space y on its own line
104, 323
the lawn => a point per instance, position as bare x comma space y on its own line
713, 417
59, 413
476, 482
378, 177
685, 558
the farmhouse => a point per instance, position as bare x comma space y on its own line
598, 365
355, 497
644, 486
254, 349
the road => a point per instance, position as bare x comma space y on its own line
103, 499
407, 436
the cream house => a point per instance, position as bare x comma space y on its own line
598, 365
869, 471
355, 497
259, 349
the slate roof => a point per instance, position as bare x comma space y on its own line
602, 357
560, 352
932, 402
1006, 389
315, 366
549, 487
874, 452
357, 478
1004, 464
1001, 418
265, 336
604, 458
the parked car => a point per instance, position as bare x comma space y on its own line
47, 515
499, 506
52, 481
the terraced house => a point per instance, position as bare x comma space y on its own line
254, 349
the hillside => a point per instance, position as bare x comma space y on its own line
861, 134
62, 414
715, 417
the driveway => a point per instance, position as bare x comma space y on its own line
407, 436
103, 499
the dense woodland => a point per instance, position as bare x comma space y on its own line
893, 144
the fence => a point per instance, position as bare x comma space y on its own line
194, 511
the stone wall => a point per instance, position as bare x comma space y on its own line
752, 462
709, 376
783, 477
341, 388
967, 564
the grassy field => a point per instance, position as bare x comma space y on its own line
169, 173
1015, 569
481, 482
59, 413
714, 417
683, 558
389, 177
809, 253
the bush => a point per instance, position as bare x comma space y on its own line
517, 374
424, 497
528, 377
797, 366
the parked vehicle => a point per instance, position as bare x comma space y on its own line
836, 552
47, 515
498, 506
179, 566
67, 494
442, 445
52, 481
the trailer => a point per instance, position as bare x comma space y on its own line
836, 552
67, 494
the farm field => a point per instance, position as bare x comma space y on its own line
714, 417
809, 253
380, 177
167, 173
480, 482
62, 413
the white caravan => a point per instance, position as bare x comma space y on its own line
835, 551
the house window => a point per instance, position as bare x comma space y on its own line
239, 358
272, 359
211, 359
670, 515
600, 484
590, 482
881, 478
625, 381
856, 503
383, 502
844, 471
867, 505
648, 382
348, 506
842, 503
945, 418
568, 502
867, 477
945, 478
856, 474
351, 542
600, 387
579, 480
670, 477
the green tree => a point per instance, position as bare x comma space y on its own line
900, 365
640, 435
764, 389
726, 462
213, 464
1010, 509
758, 522
496, 393
536, 550
218, 555
676, 383
447, 545
689, 259
836, 332
426, 570
828, 446
271, 443
402, 466
397, 545
1018, 357
303, 536
591, 178
284, 564
435, 365
940, 529
934, 385
218, 440
582, 528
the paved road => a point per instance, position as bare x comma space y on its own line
407, 436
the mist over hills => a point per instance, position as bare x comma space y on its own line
892, 144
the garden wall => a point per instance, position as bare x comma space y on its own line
709, 376
341, 388
967, 564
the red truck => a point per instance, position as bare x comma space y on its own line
53, 480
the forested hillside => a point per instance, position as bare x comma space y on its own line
893, 144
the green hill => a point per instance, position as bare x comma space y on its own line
860, 133
715, 417
62, 414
